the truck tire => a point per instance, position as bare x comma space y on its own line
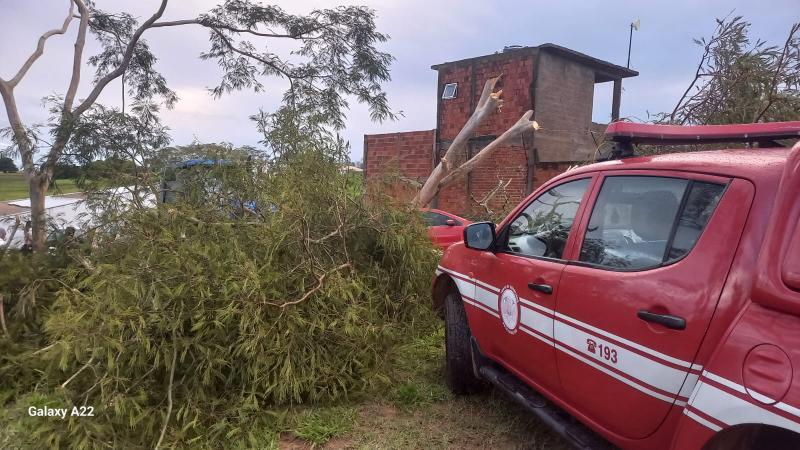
458, 369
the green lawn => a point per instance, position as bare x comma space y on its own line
14, 187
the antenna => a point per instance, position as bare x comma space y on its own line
634, 26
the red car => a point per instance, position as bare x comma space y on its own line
444, 229
654, 299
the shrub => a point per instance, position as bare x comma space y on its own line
194, 318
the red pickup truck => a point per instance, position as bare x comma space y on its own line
444, 228
644, 302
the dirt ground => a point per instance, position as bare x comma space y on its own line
487, 421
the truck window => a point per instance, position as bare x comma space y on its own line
791, 262
700, 204
641, 222
433, 219
543, 227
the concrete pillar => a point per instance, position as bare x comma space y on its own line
616, 99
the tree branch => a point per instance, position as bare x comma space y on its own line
698, 73
40, 47
230, 46
484, 202
77, 373
3, 316
126, 59
169, 389
489, 102
216, 25
523, 124
174, 23
320, 282
80, 43
24, 144
333, 233
84, 262
774, 83
697, 76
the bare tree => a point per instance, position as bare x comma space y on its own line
336, 52
454, 163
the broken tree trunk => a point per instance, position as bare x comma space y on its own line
454, 163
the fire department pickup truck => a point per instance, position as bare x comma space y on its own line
647, 302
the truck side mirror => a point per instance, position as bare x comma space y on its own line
479, 236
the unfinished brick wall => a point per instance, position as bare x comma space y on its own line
545, 171
408, 154
563, 103
509, 162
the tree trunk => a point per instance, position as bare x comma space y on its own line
454, 163
488, 103
38, 185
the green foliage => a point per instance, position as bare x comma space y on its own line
741, 81
336, 57
113, 32
66, 170
27, 286
320, 425
7, 164
114, 147
26, 281
232, 311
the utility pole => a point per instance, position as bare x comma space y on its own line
634, 26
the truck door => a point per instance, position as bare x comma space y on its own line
655, 250
518, 282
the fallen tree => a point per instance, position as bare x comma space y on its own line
454, 164
196, 321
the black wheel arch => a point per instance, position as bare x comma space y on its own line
443, 285
753, 436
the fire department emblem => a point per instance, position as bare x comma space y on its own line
509, 309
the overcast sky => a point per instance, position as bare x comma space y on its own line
423, 33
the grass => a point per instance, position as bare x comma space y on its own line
14, 187
320, 425
488, 420
418, 412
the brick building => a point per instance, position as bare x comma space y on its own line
556, 82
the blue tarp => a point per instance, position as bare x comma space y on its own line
201, 162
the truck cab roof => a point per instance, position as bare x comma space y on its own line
755, 164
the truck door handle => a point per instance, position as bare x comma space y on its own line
543, 288
667, 320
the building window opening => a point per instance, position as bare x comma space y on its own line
450, 91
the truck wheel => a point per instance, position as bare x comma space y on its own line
459, 372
